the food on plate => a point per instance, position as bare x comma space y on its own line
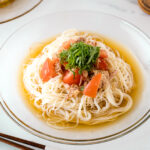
77, 79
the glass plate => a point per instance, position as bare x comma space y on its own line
17, 9
16, 47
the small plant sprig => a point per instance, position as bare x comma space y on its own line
81, 56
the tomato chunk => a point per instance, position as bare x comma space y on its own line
102, 65
92, 87
66, 45
48, 69
103, 54
70, 79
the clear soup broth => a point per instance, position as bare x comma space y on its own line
35, 50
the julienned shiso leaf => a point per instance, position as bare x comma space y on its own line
81, 56
82, 88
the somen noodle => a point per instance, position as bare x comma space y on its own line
65, 105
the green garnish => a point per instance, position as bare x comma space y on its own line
81, 56
82, 88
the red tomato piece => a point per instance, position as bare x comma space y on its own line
102, 65
93, 85
103, 54
66, 45
48, 69
70, 79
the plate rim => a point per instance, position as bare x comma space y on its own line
22, 14
31, 130
111, 137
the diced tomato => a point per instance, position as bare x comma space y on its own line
48, 69
66, 45
93, 85
70, 79
102, 65
55, 60
64, 64
103, 54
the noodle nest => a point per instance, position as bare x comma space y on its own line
62, 105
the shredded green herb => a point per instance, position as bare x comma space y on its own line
82, 88
81, 56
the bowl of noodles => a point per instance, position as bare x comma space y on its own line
76, 82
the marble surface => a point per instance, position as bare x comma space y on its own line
126, 9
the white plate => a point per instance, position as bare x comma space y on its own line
17, 9
16, 47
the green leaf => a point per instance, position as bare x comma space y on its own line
82, 88
80, 56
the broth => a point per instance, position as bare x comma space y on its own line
35, 50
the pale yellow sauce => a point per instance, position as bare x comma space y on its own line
35, 50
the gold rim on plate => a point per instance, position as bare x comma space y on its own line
119, 134
22, 14
40, 134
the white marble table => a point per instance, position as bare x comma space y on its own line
138, 139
